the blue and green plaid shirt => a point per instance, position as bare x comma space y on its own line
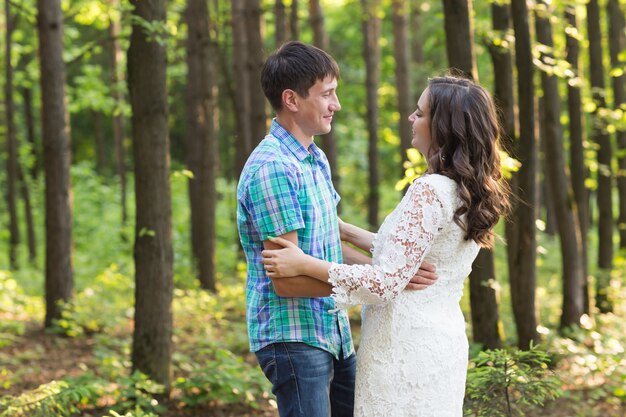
285, 187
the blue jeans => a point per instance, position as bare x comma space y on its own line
308, 381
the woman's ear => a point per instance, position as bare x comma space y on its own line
290, 100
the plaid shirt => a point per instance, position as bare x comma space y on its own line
285, 187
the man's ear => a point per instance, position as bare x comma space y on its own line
290, 100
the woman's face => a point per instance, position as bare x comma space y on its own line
420, 120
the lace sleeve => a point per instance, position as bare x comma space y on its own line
417, 223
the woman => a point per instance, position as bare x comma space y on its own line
412, 359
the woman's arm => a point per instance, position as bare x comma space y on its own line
360, 238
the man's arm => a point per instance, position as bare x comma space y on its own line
301, 286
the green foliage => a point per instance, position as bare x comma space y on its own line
98, 307
56, 398
502, 381
222, 378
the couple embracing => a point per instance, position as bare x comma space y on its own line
412, 358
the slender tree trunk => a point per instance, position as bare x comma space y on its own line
151, 351
320, 39
241, 99
200, 142
521, 236
486, 325
484, 298
459, 34
28, 216
281, 22
578, 168
371, 53
557, 179
603, 141
27, 100
403, 80
254, 63
98, 132
119, 130
57, 156
294, 24
417, 43
617, 44
11, 144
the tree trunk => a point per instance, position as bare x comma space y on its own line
617, 44
459, 34
28, 216
320, 39
521, 236
98, 132
57, 156
417, 47
119, 130
254, 63
200, 141
403, 80
486, 325
603, 142
27, 100
578, 168
281, 23
483, 296
147, 61
557, 179
371, 53
11, 143
241, 99
294, 24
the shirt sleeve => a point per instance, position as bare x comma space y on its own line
273, 200
400, 257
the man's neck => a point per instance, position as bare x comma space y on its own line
296, 131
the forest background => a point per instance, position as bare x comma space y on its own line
124, 127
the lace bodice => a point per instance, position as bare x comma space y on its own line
412, 359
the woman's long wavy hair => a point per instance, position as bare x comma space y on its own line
465, 132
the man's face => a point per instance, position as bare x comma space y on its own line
315, 112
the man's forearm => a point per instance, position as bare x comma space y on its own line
352, 256
360, 238
301, 286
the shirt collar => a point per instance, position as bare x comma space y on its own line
292, 143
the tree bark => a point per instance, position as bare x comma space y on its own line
27, 100
200, 141
605, 174
98, 132
521, 236
281, 22
294, 24
254, 63
28, 216
557, 178
119, 129
484, 298
459, 34
578, 168
403, 80
147, 61
11, 144
617, 44
241, 100
371, 53
320, 39
57, 156
486, 325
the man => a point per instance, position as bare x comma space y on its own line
302, 343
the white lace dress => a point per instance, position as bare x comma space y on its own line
412, 359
